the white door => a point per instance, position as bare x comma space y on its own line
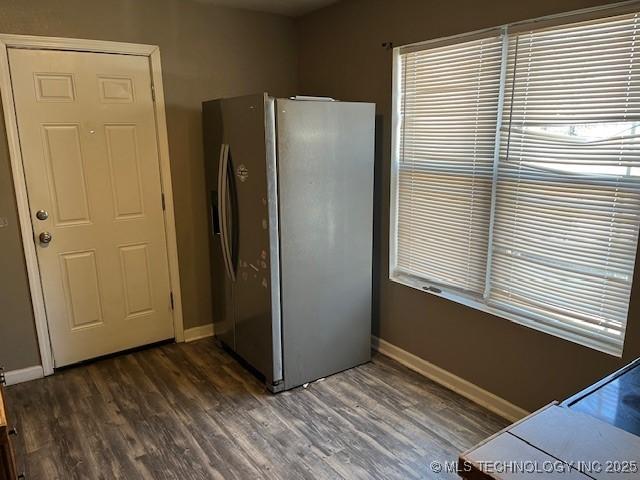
87, 132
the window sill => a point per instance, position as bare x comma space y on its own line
477, 304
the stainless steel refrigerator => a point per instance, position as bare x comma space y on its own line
290, 184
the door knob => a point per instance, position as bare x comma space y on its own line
45, 237
42, 214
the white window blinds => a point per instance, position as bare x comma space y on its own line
566, 217
448, 109
550, 239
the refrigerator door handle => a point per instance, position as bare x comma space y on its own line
223, 184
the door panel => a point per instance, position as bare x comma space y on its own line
51, 87
124, 169
87, 132
65, 173
244, 130
136, 279
80, 278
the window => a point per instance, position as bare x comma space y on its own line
516, 174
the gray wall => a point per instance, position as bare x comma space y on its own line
18, 344
207, 52
341, 56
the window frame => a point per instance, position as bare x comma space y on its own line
557, 329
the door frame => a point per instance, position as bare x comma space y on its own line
152, 52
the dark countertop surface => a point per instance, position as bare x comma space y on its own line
615, 399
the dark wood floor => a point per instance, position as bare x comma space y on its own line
190, 411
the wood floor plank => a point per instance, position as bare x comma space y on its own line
191, 411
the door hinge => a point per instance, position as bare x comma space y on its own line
171, 299
164, 205
153, 92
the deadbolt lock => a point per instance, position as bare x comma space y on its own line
42, 214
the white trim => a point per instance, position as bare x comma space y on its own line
496, 159
23, 375
75, 44
447, 379
20, 187
167, 189
396, 129
197, 333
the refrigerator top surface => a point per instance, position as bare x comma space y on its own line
294, 98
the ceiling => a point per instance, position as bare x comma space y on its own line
291, 8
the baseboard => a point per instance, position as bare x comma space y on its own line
459, 385
23, 375
196, 333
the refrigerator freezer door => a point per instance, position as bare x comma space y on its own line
222, 285
244, 132
325, 169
